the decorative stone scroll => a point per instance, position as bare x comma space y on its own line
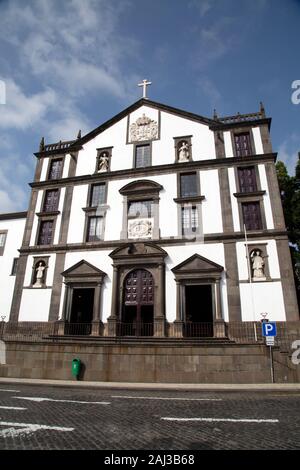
140, 228
143, 129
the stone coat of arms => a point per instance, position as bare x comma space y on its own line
143, 129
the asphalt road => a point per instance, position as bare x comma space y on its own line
39, 417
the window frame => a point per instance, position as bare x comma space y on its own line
43, 210
242, 130
14, 266
51, 160
88, 221
143, 143
45, 219
2, 247
259, 201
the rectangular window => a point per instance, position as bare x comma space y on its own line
140, 209
247, 179
251, 215
188, 185
45, 233
2, 242
189, 220
94, 229
51, 201
14, 267
242, 144
55, 171
97, 195
142, 156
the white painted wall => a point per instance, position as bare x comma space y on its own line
14, 238
257, 140
267, 297
211, 205
77, 216
66, 166
228, 144
44, 169
58, 220
266, 197
35, 304
234, 203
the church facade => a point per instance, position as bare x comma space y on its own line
159, 222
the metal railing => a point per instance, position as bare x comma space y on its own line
135, 329
77, 329
198, 330
27, 331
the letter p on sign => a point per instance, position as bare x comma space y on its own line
269, 329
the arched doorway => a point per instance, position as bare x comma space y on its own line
138, 304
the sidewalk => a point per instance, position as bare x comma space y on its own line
289, 387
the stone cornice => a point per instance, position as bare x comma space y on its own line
113, 244
157, 169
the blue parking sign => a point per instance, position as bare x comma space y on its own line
269, 329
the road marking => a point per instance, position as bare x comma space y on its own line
166, 398
27, 428
12, 408
40, 399
223, 420
5, 390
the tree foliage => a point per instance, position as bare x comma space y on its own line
290, 196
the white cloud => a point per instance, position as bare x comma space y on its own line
209, 89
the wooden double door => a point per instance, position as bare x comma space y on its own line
138, 304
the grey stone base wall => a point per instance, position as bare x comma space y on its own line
149, 363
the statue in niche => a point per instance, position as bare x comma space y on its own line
257, 264
183, 152
39, 276
103, 163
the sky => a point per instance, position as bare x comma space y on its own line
67, 65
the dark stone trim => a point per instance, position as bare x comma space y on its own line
265, 138
140, 187
133, 107
61, 158
38, 169
219, 144
17, 295
256, 122
45, 218
58, 152
13, 215
30, 218
57, 287
46, 214
158, 169
66, 212
73, 164
225, 196
257, 176
253, 194
232, 282
140, 144
209, 238
182, 200
274, 196
3, 232
249, 197
287, 280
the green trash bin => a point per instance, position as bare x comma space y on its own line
76, 365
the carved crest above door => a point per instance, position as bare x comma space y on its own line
143, 128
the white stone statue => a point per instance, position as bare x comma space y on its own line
257, 264
103, 164
39, 275
183, 152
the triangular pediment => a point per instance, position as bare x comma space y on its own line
197, 263
138, 249
138, 104
83, 269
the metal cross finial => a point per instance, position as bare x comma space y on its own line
144, 84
